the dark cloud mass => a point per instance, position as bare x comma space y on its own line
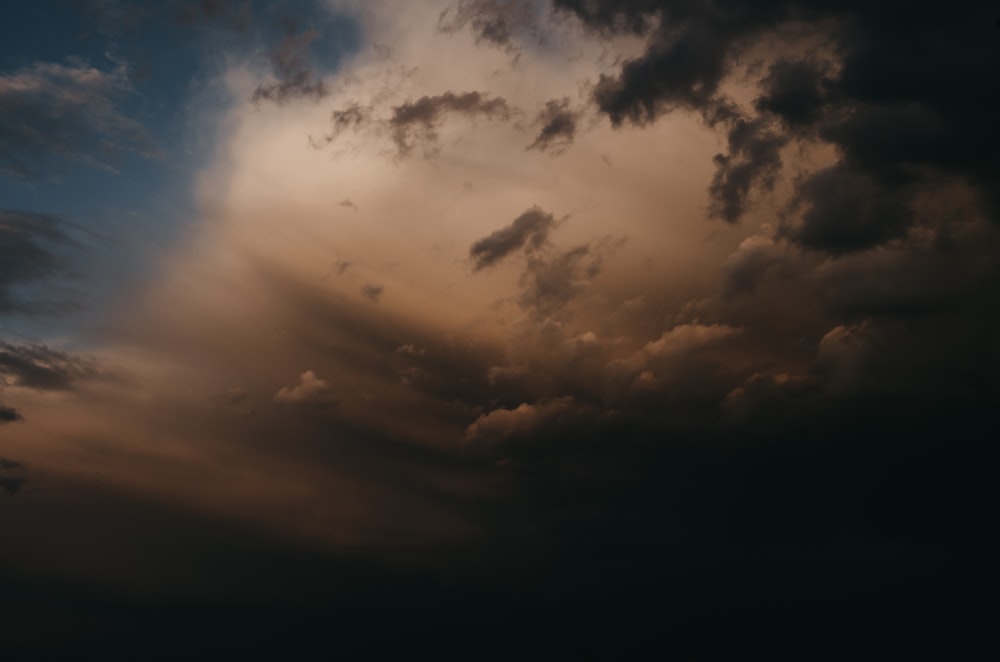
529, 231
416, 122
901, 118
9, 415
761, 429
558, 127
40, 367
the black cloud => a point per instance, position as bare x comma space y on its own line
902, 119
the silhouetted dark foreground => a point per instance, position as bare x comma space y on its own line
862, 540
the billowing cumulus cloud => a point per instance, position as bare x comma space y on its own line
311, 390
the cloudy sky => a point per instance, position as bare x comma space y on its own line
672, 321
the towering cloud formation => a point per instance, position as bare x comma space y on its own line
699, 296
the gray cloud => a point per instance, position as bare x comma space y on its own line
753, 163
549, 281
529, 231
901, 121
9, 415
51, 111
415, 122
294, 72
558, 127
494, 22
372, 291
40, 367
32, 250
234, 14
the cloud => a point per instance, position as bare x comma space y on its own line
522, 423
494, 22
559, 123
415, 122
372, 291
550, 281
310, 391
845, 211
529, 231
234, 14
30, 253
745, 268
51, 111
352, 117
752, 163
290, 63
9, 415
39, 367
855, 88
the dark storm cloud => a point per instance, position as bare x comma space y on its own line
291, 65
30, 252
753, 162
529, 231
902, 119
845, 211
40, 367
558, 127
51, 111
416, 121
745, 268
795, 91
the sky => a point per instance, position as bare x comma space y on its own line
590, 324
